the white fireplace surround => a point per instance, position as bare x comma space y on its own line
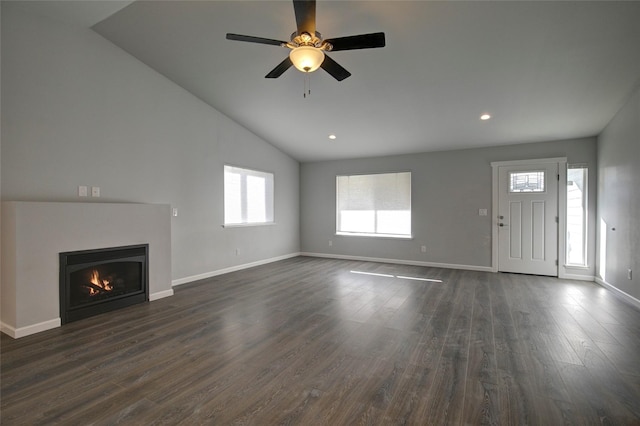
34, 233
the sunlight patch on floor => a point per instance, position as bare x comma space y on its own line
402, 277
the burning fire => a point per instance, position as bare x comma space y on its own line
98, 285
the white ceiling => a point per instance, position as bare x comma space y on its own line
544, 70
73, 12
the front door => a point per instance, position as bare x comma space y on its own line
528, 218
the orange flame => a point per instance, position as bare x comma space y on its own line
103, 284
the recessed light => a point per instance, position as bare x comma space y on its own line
485, 117
332, 136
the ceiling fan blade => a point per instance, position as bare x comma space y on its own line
252, 39
281, 68
305, 11
362, 41
335, 69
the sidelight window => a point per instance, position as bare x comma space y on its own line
577, 215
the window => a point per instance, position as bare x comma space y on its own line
374, 205
248, 196
577, 215
526, 181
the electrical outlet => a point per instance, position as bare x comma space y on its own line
330, 243
423, 249
95, 191
482, 212
82, 191
629, 274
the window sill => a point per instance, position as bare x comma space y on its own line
580, 267
247, 225
384, 236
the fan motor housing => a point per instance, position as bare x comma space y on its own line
306, 39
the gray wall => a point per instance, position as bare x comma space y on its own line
76, 110
619, 197
448, 189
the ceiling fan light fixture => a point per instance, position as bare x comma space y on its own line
306, 58
308, 47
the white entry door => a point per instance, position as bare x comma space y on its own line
528, 218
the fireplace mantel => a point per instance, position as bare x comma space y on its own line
34, 233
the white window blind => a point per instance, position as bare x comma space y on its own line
248, 196
374, 205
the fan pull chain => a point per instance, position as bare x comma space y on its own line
307, 85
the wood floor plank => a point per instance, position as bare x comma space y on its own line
309, 341
590, 325
593, 404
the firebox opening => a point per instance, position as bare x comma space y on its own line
101, 280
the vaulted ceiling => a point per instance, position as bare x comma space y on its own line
544, 70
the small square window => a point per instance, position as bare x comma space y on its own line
248, 196
526, 181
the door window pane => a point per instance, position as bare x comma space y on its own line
526, 181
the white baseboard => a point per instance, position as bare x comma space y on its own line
401, 262
619, 293
19, 332
160, 295
577, 277
206, 275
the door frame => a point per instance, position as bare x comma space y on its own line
562, 207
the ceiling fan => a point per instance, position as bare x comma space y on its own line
308, 47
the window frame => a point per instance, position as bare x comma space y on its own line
394, 236
269, 196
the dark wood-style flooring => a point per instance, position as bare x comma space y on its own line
307, 341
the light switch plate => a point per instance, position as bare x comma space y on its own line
482, 212
82, 191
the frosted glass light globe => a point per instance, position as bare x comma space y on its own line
306, 58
